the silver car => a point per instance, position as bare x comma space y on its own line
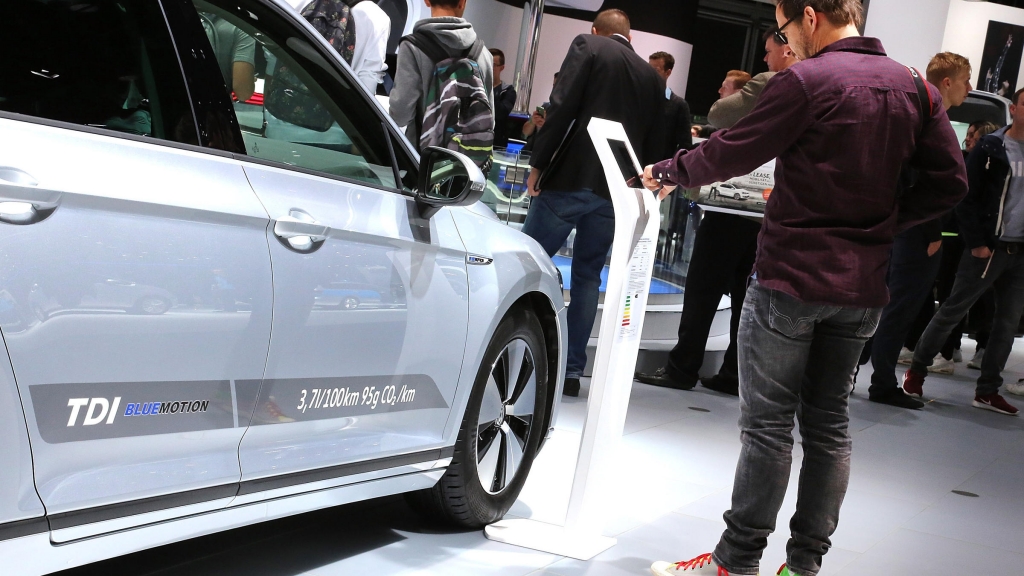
210, 322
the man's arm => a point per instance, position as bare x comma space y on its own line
408, 90
573, 79
942, 177
726, 112
778, 119
970, 213
506, 102
243, 67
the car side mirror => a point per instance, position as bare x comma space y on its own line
447, 178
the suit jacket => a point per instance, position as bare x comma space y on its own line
677, 126
504, 103
728, 111
600, 78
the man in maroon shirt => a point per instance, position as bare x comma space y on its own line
842, 122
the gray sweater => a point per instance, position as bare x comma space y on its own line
415, 70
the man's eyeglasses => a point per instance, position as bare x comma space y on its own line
778, 33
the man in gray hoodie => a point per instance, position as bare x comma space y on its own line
415, 69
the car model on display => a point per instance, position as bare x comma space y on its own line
209, 323
727, 190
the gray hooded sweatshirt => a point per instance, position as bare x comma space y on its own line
415, 70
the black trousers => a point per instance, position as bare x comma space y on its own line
721, 263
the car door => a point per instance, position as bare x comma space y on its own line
134, 267
370, 300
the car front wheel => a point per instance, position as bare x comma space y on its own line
501, 431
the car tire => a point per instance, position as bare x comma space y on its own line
460, 497
349, 303
152, 305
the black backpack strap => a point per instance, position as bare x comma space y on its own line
924, 97
429, 45
476, 50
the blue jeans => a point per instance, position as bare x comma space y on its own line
911, 277
1005, 274
796, 360
551, 219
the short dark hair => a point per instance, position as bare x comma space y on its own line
667, 59
838, 12
445, 3
1016, 96
769, 34
499, 54
613, 21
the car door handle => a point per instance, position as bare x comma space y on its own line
22, 201
288, 227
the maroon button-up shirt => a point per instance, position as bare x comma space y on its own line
841, 124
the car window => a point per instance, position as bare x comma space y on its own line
102, 63
292, 105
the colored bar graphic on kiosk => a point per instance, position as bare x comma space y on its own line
626, 314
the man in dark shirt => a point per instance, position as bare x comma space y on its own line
676, 114
504, 100
601, 77
819, 282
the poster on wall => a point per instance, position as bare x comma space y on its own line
1000, 62
744, 195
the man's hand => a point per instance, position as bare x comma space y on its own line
933, 248
981, 252
654, 186
538, 120
531, 183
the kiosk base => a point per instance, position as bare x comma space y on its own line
548, 538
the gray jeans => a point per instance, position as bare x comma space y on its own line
796, 360
1006, 276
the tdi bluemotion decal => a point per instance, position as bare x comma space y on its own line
302, 399
95, 411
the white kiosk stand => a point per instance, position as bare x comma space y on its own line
637, 220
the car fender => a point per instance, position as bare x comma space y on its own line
511, 266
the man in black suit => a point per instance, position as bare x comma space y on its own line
676, 114
601, 77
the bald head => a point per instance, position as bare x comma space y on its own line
611, 22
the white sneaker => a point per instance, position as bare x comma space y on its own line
906, 357
1015, 388
958, 356
941, 366
976, 361
702, 565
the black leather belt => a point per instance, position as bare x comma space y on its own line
1010, 247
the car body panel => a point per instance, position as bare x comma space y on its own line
409, 351
169, 219
18, 498
519, 267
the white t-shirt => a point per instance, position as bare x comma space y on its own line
373, 27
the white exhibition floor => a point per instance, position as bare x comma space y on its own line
677, 463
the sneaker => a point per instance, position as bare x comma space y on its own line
995, 403
958, 356
976, 361
897, 398
941, 366
913, 384
572, 387
723, 384
1015, 388
663, 379
701, 565
906, 356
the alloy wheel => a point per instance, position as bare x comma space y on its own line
506, 416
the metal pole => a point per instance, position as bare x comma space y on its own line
527, 60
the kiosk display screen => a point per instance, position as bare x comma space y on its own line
625, 163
